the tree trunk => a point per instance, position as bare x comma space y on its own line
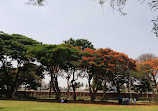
8, 93
104, 89
93, 95
93, 92
90, 90
117, 87
118, 90
16, 82
74, 91
155, 85
153, 96
68, 86
57, 90
74, 85
54, 84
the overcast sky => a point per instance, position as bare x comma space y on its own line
59, 20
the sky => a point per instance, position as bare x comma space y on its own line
60, 20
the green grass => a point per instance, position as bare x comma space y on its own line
7, 105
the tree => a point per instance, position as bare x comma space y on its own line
146, 56
72, 70
14, 49
88, 64
31, 76
118, 67
66, 75
54, 58
141, 74
148, 70
105, 63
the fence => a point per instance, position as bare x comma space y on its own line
80, 94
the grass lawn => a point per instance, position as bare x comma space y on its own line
7, 105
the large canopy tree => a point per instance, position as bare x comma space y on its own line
74, 70
54, 58
105, 63
13, 56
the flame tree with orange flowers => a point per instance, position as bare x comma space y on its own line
149, 70
118, 68
103, 64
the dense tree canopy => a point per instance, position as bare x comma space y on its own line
55, 58
80, 43
105, 63
13, 61
23, 61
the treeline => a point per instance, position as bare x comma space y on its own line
24, 61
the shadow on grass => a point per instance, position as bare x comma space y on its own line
2, 108
96, 102
76, 102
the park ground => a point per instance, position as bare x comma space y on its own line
12, 105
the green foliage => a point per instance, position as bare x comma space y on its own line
52, 56
31, 75
14, 51
15, 45
142, 86
81, 43
99, 66
55, 58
